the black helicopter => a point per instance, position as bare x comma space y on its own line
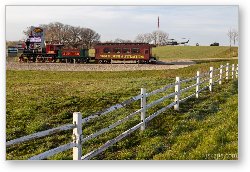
174, 42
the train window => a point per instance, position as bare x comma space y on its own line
106, 50
117, 50
146, 51
126, 50
135, 50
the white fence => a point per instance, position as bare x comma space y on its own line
209, 78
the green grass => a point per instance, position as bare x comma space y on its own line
40, 100
194, 52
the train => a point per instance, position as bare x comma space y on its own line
104, 53
37, 51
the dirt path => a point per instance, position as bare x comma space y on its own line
160, 65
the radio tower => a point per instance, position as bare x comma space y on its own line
158, 23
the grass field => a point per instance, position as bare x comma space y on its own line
39, 100
194, 52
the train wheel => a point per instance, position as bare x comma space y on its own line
21, 59
105, 61
39, 58
34, 59
100, 61
28, 59
50, 59
43, 59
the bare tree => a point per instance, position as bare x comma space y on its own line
139, 38
233, 36
148, 37
155, 37
89, 37
144, 38
119, 40
27, 31
162, 39
159, 37
230, 36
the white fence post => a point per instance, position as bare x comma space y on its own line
221, 72
236, 72
177, 91
77, 134
197, 84
143, 106
232, 71
227, 70
211, 78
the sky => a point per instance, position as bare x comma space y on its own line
199, 24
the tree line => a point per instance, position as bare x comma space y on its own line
80, 37
157, 37
69, 36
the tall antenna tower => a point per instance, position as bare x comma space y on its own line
158, 36
158, 23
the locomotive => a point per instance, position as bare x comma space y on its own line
36, 50
54, 53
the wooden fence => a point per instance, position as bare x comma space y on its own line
209, 78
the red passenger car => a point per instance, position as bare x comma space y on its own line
139, 52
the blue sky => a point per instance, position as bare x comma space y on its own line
202, 24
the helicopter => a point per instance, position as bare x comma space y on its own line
174, 42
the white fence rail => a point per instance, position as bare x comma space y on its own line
211, 77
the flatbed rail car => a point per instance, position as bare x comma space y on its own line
138, 52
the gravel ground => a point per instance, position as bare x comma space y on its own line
160, 65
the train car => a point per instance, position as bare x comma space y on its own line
12, 51
138, 52
74, 55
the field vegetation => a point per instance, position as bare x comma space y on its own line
202, 129
194, 52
